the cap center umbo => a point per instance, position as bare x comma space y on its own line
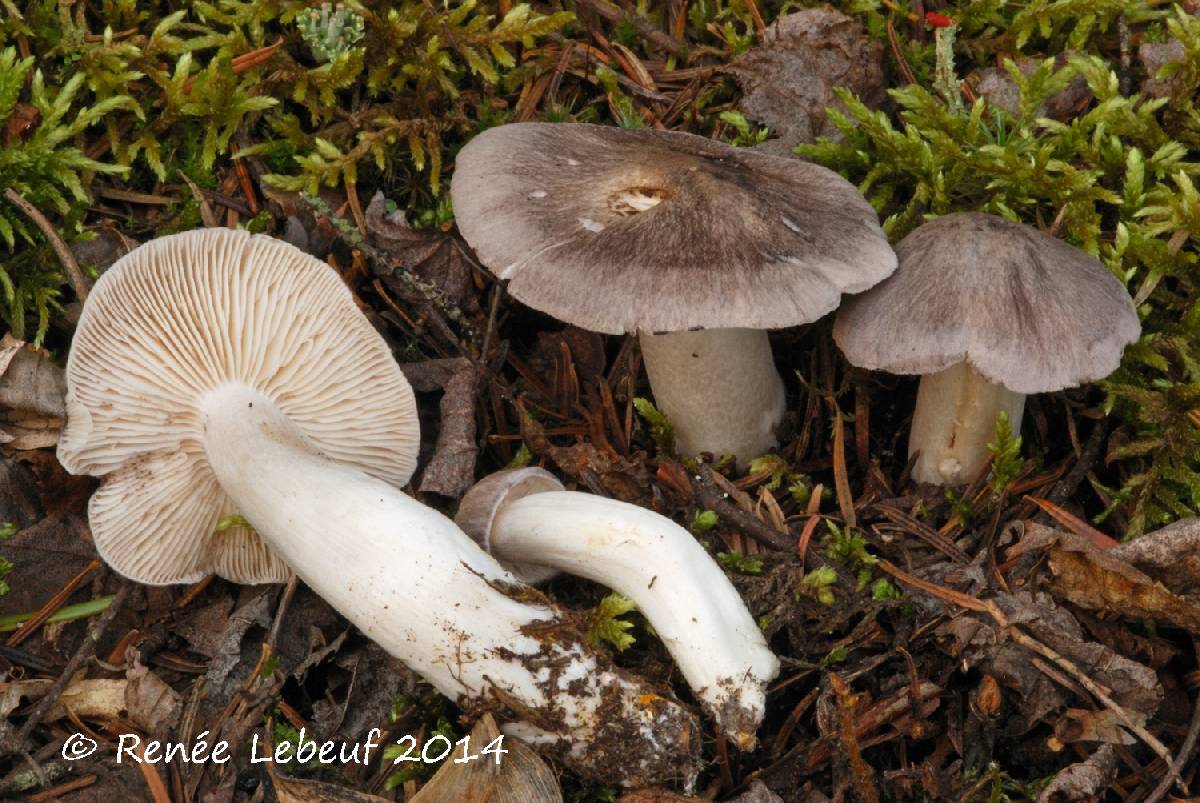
632, 200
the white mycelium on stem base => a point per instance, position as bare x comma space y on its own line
525, 518
718, 388
636, 230
216, 372
987, 311
955, 420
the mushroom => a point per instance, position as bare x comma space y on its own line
619, 230
535, 527
988, 311
216, 373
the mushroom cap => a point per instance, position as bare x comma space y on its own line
1026, 310
180, 317
480, 505
618, 230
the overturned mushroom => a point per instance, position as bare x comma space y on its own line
988, 311
527, 519
646, 231
216, 373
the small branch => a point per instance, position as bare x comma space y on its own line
707, 495
74, 273
1181, 758
646, 28
87, 649
1030, 643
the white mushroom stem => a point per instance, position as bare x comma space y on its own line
718, 388
420, 588
955, 420
677, 586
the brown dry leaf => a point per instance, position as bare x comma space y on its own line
1171, 555
997, 86
435, 256
789, 78
20, 122
1084, 725
19, 501
106, 247
1083, 781
32, 390
27, 431
293, 790
45, 556
655, 796
520, 777
451, 470
94, 698
757, 793
1154, 56
1093, 578
980, 642
363, 682
152, 705
204, 629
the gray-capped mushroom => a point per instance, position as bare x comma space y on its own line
215, 372
987, 311
646, 231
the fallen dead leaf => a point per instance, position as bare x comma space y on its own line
1096, 579
1171, 555
451, 470
92, 698
32, 393
789, 78
1154, 56
520, 777
1083, 781
433, 255
152, 705
998, 87
1085, 725
294, 790
980, 642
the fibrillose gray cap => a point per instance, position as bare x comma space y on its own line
617, 230
480, 505
183, 315
1026, 310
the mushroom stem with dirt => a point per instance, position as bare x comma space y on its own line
987, 311
697, 246
530, 522
217, 373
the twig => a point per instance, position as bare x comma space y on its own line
74, 272
1181, 758
614, 14
992, 609
863, 776
841, 481
1065, 488
62, 789
57, 601
87, 649
707, 495
285, 601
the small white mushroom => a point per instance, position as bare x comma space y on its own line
215, 372
526, 518
987, 311
682, 234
